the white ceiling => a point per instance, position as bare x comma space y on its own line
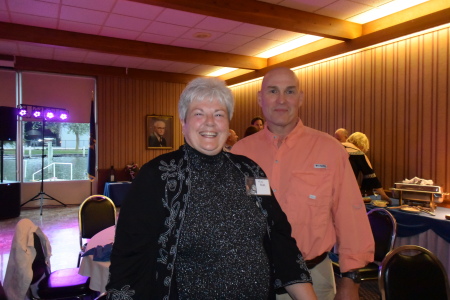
142, 22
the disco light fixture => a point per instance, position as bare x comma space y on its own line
42, 112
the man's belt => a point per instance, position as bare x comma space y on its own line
311, 263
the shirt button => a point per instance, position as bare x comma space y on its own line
276, 161
274, 190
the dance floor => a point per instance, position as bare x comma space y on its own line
60, 224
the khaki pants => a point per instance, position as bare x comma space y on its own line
323, 282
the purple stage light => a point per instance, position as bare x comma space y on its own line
49, 115
42, 112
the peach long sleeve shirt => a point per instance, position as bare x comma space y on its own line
313, 181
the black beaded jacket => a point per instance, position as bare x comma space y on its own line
150, 222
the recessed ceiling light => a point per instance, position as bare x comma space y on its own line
202, 35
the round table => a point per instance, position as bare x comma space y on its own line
98, 271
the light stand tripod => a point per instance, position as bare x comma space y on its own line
41, 195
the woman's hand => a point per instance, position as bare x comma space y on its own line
384, 196
300, 291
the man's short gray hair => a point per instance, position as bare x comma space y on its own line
205, 88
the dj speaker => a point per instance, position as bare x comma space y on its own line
9, 200
8, 123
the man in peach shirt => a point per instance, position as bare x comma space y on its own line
313, 181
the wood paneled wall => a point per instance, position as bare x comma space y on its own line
397, 94
246, 106
122, 107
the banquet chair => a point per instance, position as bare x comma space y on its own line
64, 283
2, 292
413, 272
96, 212
384, 230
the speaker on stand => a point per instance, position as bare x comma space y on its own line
9, 191
8, 121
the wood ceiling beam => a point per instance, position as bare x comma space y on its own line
64, 67
266, 14
17, 32
389, 33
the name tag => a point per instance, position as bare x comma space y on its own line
257, 186
320, 166
262, 187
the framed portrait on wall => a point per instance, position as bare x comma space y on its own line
159, 132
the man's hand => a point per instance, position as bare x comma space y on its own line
347, 289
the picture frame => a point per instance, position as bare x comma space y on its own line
159, 132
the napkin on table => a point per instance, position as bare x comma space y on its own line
100, 253
420, 181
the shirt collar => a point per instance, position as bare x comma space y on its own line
290, 139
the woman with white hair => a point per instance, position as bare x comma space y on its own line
191, 228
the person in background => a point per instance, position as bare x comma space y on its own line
157, 139
190, 227
258, 122
312, 179
357, 146
341, 135
231, 140
250, 130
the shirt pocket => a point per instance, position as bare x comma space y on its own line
313, 198
313, 187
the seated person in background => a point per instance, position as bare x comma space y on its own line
258, 122
357, 146
250, 130
341, 135
231, 140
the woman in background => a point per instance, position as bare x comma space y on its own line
250, 130
258, 122
357, 146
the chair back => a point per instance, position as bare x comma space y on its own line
2, 292
384, 230
413, 272
96, 213
39, 266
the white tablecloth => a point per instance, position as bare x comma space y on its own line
98, 271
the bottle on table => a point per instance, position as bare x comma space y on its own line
111, 177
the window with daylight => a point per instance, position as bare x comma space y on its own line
65, 147
46, 148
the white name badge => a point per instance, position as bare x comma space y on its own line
257, 186
262, 187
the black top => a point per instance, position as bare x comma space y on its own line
159, 227
220, 252
360, 165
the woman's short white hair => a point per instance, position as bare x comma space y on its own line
205, 88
